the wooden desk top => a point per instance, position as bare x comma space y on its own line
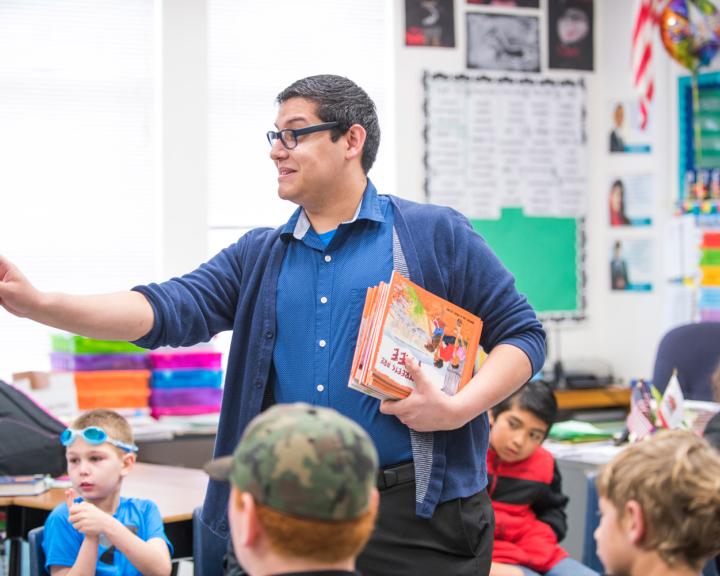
609, 397
176, 491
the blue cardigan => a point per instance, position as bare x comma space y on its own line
434, 246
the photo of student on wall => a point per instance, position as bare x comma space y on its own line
617, 140
617, 204
618, 269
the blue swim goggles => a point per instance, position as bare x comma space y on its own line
94, 435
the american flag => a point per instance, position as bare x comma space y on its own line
638, 421
646, 18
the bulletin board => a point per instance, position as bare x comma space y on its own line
510, 154
708, 122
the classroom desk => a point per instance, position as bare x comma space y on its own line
176, 491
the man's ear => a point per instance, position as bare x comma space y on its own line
491, 417
633, 522
355, 138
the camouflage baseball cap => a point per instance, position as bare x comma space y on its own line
303, 460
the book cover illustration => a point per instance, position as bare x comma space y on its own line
404, 321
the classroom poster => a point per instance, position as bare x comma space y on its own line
570, 34
626, 133
500, 42
508, 3
630, 200
631, 267
430, 23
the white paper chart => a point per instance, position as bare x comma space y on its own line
499, 142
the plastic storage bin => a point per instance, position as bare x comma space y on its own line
186, 359
112, 381
167, 397
186, 378
80, 345
65, 361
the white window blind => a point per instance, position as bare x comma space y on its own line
76, 146
255, 49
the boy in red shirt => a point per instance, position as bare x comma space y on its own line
526, 488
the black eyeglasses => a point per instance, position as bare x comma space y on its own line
289, 136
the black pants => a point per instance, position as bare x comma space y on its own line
456, 541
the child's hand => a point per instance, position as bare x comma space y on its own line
85, 517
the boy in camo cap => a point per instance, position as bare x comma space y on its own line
303, 496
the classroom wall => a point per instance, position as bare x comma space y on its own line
621, 328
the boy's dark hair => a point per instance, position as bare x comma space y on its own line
537, 397
340, 100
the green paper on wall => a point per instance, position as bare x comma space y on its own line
545, 256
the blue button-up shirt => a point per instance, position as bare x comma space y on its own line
320, 297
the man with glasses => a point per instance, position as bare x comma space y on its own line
294, 296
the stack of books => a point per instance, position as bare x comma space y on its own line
107, 374
24, 485
401, 320
185, 382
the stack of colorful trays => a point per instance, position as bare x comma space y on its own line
107, 374
185, 382
709, 300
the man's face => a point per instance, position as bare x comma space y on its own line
95, 470
613, 545
516, 433
309, 173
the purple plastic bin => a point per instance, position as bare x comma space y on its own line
186, 359
184, 411
169, 397
67, 362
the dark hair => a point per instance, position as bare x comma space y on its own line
340, 100
536, 397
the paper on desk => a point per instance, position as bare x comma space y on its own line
598, 452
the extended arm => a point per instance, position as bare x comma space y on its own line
118, 316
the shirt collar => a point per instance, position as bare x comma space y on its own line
369, 209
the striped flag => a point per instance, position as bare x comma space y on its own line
646, 18
638, 421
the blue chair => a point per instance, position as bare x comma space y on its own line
208, 549
37, 554
694, 349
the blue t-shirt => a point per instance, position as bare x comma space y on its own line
62, 542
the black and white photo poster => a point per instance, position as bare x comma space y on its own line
499, 42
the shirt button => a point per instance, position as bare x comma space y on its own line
320, 387
322, 343
323, 299
328, 257
268, 335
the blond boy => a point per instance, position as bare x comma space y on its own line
303, 497
96, 531
659, 506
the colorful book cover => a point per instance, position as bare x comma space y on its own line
403, 321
